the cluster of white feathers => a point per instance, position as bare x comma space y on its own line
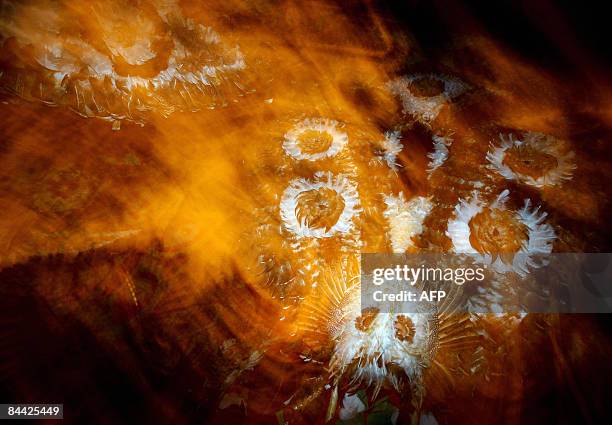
440, 152
392, 146
371, 352
405, 219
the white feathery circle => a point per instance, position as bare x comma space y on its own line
291, 142
340, 184
425, 109
540, 142
540, 236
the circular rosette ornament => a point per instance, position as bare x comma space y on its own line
424, 95
507, 240
320, 208
116, 60
314, 139
536, 159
